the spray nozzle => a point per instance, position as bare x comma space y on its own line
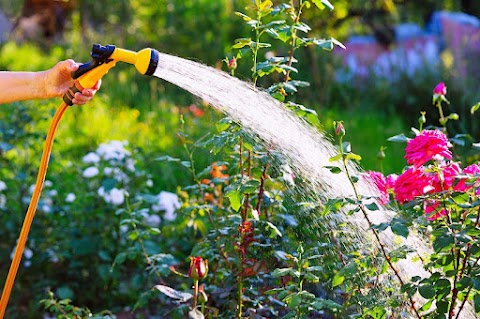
103, 59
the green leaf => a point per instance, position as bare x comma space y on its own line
338, 279
281, 272
353, 156
274, 228
335, 158
475, 108
243, 16
174, 294
322, 4
476, 300
338, 43
400, 229
426, 291
108, 184
427, 305
372, 206
235, 199
250, 186
324, 44
401, 138
302, 27
442, 243
195, 314
293, 300
278, 96
242, 42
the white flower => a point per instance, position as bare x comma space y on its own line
153, 220
31, 189
48, 183
70, 198
53, 193
130, 165
114, 196
123, 229
90, 172
113, 151
149, 183
117, 196
91, 158
3, 186
168, 202
28, 253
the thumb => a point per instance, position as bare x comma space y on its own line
69, 65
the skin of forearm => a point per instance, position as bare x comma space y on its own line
19, 86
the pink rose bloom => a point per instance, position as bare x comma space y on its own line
381, 184
444, 179
440, 89
391, 179
429, 144
432, 209
412, 183
471, 170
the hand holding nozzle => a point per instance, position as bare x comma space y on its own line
103, 59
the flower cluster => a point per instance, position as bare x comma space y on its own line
430, 174
112, 161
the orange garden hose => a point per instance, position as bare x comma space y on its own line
27, 223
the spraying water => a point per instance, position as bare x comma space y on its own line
308, 150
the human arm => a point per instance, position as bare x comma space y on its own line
54, 82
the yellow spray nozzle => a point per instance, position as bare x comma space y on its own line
103, 59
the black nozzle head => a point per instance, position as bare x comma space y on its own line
152, 66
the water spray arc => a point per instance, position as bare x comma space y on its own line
103, 59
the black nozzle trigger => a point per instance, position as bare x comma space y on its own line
100, 54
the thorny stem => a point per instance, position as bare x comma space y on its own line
464, 266
294, 36
374, 231
256, 48
195, 294
261, 189
440, 112
194, 175
240, 297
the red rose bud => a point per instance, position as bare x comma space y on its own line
440, 89
198, 268
339, 129
232, 64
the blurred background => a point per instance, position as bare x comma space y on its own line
396, 52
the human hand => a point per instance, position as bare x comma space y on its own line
58, 80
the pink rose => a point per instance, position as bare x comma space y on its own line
381, 184
444, 179
440, 89
412, 183
429, 144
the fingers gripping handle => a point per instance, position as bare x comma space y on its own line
90, 73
